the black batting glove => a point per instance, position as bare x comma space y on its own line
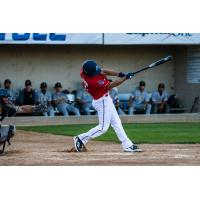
129, 75
121, 74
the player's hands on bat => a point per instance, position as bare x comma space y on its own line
121, 74
129, 75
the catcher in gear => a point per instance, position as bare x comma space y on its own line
7, 108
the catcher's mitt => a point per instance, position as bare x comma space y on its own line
11, 109
8, 109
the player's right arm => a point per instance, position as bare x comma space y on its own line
119, 81
116, 83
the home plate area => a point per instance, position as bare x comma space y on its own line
43, 149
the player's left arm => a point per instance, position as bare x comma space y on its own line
110, 72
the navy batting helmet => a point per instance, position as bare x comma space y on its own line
91, 68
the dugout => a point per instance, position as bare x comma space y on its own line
53, 63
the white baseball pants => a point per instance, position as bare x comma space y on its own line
107, 115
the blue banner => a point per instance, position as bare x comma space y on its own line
50, 38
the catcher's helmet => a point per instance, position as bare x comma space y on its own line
91, 68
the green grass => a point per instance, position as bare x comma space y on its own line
168, 133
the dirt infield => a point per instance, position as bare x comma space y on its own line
29, 148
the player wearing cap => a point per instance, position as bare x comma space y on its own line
159, 100
12, 93
97, 84
44, 97
62, 102
27, 96
139, 100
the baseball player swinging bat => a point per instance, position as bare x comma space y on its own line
97, 84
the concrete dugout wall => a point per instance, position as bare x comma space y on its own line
186, 91
62, 63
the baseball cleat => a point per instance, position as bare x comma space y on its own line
78, 144
133, 148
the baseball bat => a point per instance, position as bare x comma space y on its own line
154, 64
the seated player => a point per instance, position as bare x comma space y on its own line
27, 96
62, 102
139, 100
44, 97
84, 100
12, 93
160, 99
114, 95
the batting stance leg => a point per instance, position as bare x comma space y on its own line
118, 128
107, 115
